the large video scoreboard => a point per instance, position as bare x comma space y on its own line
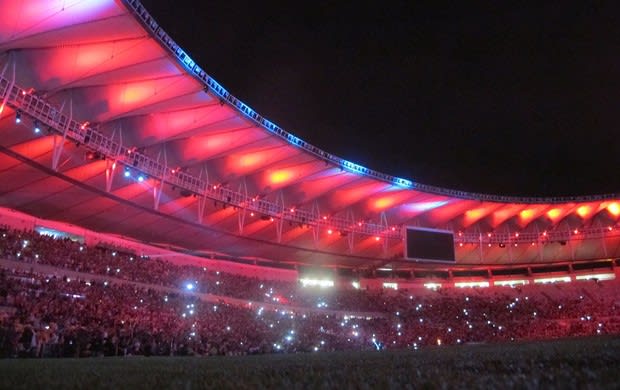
424, 244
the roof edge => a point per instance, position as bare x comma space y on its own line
182, 57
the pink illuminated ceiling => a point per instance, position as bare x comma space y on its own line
96, 60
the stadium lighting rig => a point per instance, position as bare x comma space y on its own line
43, 113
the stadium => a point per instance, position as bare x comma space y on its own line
148, 211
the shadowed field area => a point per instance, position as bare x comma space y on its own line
576, 363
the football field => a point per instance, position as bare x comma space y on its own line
563, 364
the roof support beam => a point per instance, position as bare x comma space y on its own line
350, 234
280, 221
5, 98
159, 187
597, 224
384, 224
316, 213
539, 243
243, 189
110, 168
59, 145
202, 198
480, 250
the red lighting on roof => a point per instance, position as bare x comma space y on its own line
281, 176
614, 209
584, 211
554, 213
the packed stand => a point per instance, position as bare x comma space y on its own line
43, 314
30, 246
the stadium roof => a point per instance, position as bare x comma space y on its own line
121, 131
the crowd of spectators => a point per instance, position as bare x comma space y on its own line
33, 247
50, 314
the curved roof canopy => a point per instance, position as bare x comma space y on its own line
107, 123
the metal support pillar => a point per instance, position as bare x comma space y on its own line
243, 190
109, 174
9, 89
316, 223
159, 188
480, 250
202, 198
59, 145
603, 231
280, 220
351, 232
510, 244
538, 242
569, 241
384, 224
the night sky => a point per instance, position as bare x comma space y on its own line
504, 99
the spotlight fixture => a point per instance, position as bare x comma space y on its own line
127, 172
37, 127
18, 117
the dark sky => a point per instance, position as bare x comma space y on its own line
518, 99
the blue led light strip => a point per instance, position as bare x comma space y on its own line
194, 69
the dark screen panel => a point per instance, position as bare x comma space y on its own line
426, 244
